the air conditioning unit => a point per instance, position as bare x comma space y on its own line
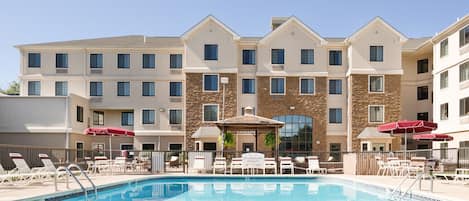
175, 99
96, 71
61, 70
278, 68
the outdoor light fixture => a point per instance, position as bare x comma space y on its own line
292, 107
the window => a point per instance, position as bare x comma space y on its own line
148, 116
148, 61
422, 93
175, 61
123, 88
464, 107
79, 113
253, 111
444, 150
335, 57
376, 83
98, 149
249, 57
96, 88
422, 66
334, 149
376, 114
277, 86
61, 88
61, 60
148, 89
127, 147
211, 52
297, 134
175, 89
278, 56
307, 56
210, 146
464, 36
335, 86
127, 118
175, 147
249, 86
422, 116
365, 147
464, 72
464, 150
444, 111
175, 116
148, 147
98, 118
96, 60
376, 53
210, 82
210, 112
444, 80
306, 86
34, 88
335, 115
34, 60
123, 60
444, 48
79, 147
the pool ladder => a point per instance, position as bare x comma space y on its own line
397, 194
69, 173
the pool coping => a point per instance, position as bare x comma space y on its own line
72, 192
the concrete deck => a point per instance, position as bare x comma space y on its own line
443, 191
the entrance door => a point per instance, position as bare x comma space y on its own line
334, 149
248, 147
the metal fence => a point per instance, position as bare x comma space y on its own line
179, 161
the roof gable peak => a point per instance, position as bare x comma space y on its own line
207, 19
377, 20
293, 19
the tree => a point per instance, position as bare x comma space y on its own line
269, 140
13, 89
229, 141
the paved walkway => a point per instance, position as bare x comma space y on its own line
444, 191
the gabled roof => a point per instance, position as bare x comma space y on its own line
130, 41
249, 120
415, 43
372, 133
293, 19
378, 20
207, 19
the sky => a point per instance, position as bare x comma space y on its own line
33, 21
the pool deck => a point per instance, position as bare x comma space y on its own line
443, 191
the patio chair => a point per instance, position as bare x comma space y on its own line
27, 174
174, 161
50, 167
219, 164
102, 164
461, 174
286, 164
313, 166
119, 164
6, 177
236, 163
269, 163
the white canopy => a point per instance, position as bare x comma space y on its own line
207, 132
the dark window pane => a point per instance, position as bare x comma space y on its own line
123, 60
96, 88
148, 61
175, 116
335, 57
96, 60
278, 56
335, 86
61, 88
249, 86
34, 60
211, 82
422, 93
123, 88
34, 88
307, 86
79, 114
61, 60
211, 52
307, 56
127, 118
376, 53
249, 57
148, 116
175, 88
175, 61
422, 66
277, 86
148, 89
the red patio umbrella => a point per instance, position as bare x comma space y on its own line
405, 126
433, 137
109, 131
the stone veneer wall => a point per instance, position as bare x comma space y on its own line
314, 106
361, 99
195, 98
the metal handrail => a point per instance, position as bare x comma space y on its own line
69, 173
84, 174
398, 188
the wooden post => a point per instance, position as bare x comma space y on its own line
256, 141
276, 143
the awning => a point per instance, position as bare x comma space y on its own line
405, 126
372, 133
433, 137
207, 132
109, 131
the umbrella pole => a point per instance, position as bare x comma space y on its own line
405, 146
110, 147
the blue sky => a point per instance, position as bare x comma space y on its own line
34, 21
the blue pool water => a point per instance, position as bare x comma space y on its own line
238, 189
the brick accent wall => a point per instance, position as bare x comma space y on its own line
195, 98
361, 99
314, 106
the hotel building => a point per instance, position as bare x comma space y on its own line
330, 92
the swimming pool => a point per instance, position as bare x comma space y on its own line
237, 189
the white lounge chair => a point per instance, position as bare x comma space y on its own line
313, 166
50, 167
6, 177
119, 164
26, 174
219, 164
102, 164
236, 163
270, 164
286, 164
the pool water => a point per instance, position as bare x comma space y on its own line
237, 189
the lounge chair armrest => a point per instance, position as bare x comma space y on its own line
38, 169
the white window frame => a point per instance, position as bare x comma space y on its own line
314, 86
120, 145
169, 88
341, 57
341, 115
182, 116
368, 146
141, 116
284, 86
170, 143
384, 84
255, 85
341, 87
384, 114
102, 88
148, 81
203, 110
218, 82
95, 143
369, 52
117, 88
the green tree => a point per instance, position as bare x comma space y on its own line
269, 140
229, 141
13, 89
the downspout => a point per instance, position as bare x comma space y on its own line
67, 132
